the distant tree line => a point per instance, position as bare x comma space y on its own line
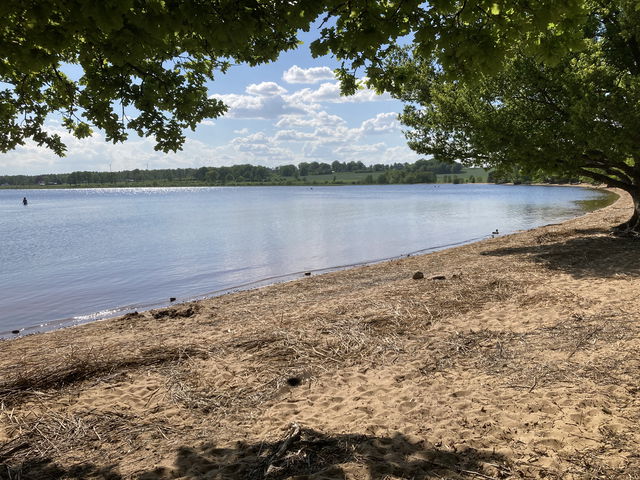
319, 168
422, 171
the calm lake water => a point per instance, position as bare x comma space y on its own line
72, 256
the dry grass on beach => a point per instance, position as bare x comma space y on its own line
522, 362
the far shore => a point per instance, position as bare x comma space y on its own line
268, 184
512, 357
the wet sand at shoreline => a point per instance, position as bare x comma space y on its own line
514, 357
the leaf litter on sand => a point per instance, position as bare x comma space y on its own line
96, 364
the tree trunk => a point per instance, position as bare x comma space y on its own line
632, 226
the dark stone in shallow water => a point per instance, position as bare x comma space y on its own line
307, 274
172, 299
15, 332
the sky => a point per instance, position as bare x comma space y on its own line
286, 112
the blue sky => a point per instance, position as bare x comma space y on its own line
289, 111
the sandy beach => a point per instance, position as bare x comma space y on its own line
514, 357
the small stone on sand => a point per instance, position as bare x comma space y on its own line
294, 381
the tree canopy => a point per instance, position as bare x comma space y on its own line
580, 116
143, 65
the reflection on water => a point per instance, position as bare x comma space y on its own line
600, 201
86, 254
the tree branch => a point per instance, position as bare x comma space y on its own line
612, 182
622, 168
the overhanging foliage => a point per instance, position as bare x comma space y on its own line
580, 116
143, 65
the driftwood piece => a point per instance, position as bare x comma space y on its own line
292, 435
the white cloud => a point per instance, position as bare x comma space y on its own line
312, 120
333, 130
327, 136
95, 154
326, 92
265, 89
330, 93
336, 136
258, 138
268, 100
293, 136
366, 153
91, 153
361, 149
258, 106
263, 101
398, 154
381, 123
260, 149
307, 75
239, 101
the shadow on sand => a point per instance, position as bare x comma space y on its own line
591, 253
305, 454
47, 469
312, 454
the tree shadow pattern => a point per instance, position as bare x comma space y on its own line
48, 469
312, 454
309, 454
585, 255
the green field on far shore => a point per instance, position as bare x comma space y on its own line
478, 174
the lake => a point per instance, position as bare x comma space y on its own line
77, 255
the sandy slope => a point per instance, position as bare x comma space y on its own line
522, 363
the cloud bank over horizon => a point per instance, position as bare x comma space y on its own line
297, 115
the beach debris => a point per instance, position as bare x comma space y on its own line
189, 311
172, 299
418, 275
438, 277
130, 315
292, 435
